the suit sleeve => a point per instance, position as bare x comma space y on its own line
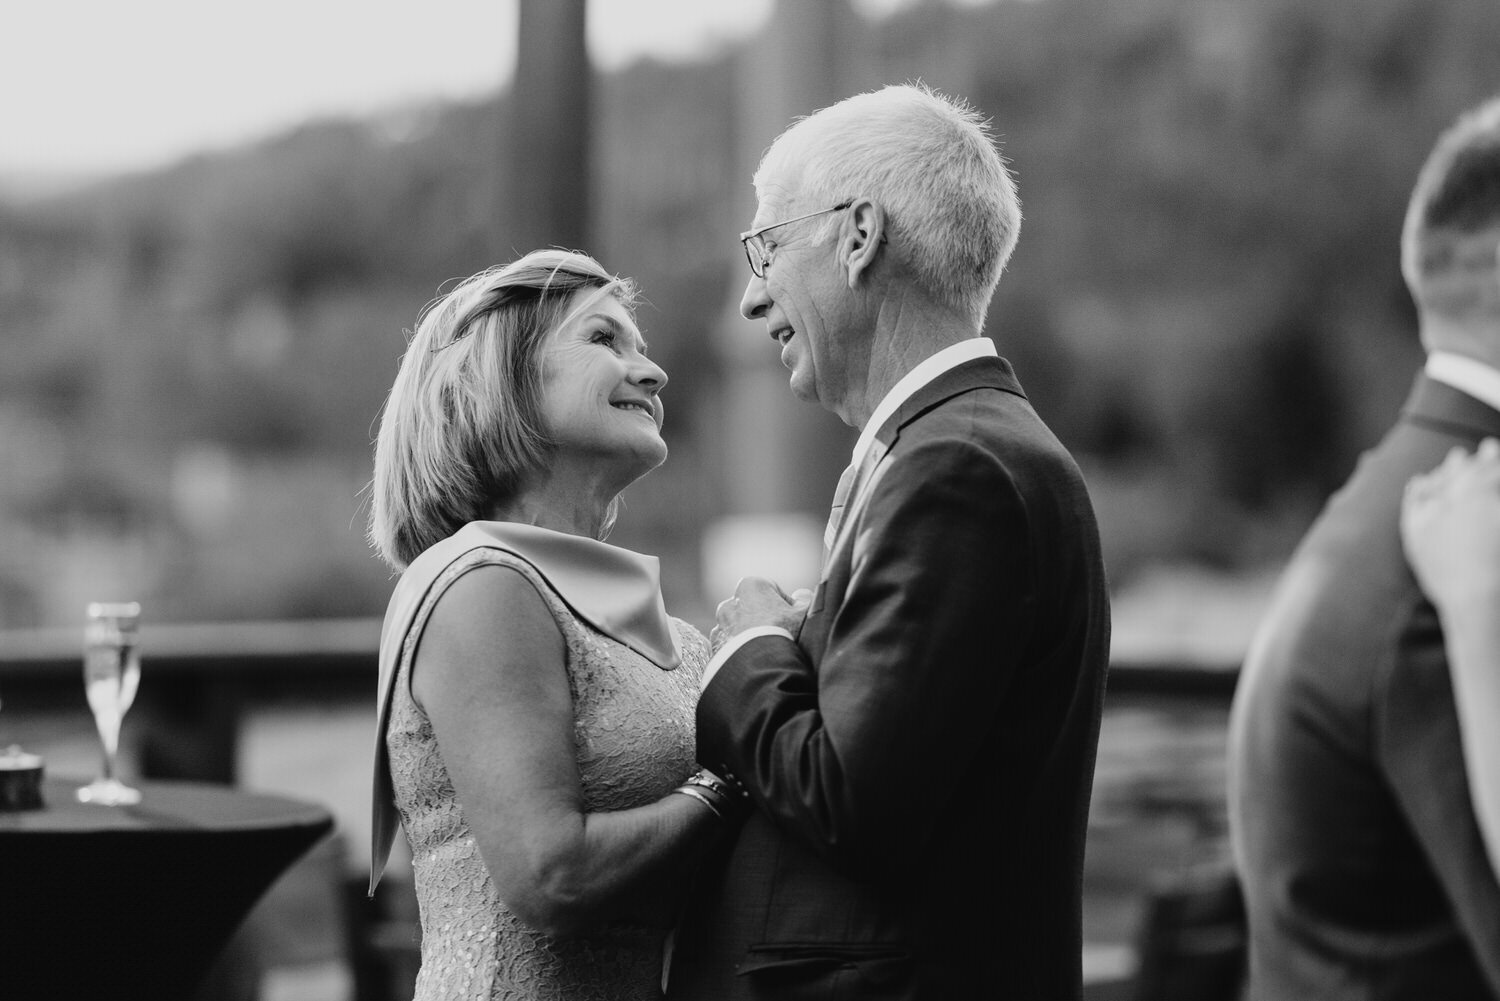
1422, 753
859, 757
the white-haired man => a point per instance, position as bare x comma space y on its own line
918, 740
1364, 871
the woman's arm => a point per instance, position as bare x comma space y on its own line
1450, 525
490, 674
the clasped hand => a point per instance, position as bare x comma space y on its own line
1451, 526
759, 602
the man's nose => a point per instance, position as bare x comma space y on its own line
755, 301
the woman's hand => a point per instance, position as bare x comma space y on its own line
758, 601
1450, 527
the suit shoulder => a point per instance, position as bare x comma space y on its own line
990, 420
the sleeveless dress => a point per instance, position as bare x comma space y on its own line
633, 731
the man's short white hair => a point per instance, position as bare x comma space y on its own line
931, 163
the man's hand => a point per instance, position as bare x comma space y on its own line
759, 602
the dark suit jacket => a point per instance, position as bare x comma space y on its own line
921, 757
1362, 864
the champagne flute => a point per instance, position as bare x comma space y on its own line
111, 673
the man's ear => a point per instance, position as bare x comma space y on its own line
861, 238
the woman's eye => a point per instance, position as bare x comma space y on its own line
605, 337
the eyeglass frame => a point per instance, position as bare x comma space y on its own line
759, 270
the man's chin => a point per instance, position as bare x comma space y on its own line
803, 388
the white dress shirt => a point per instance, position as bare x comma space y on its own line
925, 372
1467, 375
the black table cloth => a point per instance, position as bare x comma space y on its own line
137, 901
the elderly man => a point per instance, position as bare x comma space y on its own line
1364, 871
918, 739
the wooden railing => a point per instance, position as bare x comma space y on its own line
340, 651
331, 645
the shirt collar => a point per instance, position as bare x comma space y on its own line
1467, 375
926, 371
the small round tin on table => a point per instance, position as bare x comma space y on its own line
20, 779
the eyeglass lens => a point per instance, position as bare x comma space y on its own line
755, 254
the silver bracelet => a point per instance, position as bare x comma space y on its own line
688, 790
705, 779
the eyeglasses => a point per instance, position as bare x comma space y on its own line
756, 251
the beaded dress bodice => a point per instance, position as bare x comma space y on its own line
633, 732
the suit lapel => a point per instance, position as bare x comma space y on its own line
978, 373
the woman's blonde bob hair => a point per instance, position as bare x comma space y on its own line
462, 424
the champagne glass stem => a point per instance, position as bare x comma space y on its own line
111, 748
115, 718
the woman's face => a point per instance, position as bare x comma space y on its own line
599, 390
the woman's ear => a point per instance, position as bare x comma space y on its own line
861, 238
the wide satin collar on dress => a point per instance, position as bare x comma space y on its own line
616, 591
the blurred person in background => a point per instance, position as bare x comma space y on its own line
1363, 870
1450, 526
919, 741
535, 709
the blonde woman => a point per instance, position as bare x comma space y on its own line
536, 702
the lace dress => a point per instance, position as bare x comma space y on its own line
633, 730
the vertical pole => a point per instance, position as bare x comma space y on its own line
545, 137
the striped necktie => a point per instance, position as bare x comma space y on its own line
836, 514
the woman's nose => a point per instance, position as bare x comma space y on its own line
651, 375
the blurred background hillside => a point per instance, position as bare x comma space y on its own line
1205, 302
